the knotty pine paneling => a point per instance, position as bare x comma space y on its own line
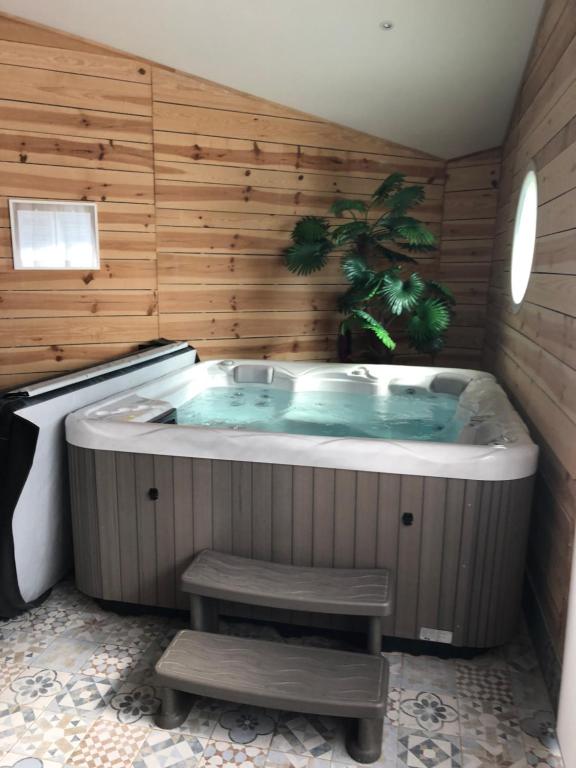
533, 351
77, 125
468, 228
198, 187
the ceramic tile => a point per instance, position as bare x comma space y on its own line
35, 687
490, 732
246, 725
66, 654
22, 647
14, 722
114, 662
423, 750
87, 695
439, 674
9, 671
133, 703
166, 748
286, 760
222, 754
393, 708
487, 683
203, 717
107, 745
428, 711
538, 730
54, 735
310, 735
14, 760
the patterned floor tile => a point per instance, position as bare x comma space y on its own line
87, 695
133, 703
393, 708
66, 654
422, 750
14, 722
538, 731
107, 745
114, 662
203, 717
428, 711
9, 671
246, 725
305, 735
486, 683
35, 687
439, 674
222, 754
165, 748
22, 647
53, 735
490, 733
286, 760
14, 760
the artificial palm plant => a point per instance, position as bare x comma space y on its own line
378, 239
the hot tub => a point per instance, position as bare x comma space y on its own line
426, 471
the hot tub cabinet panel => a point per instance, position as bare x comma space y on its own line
456, 547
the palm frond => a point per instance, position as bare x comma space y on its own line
393, 256
310, 229
352, 230
429, 321
355, 270
442, 291
389, 186
405, 198
370, 323
403, 294
339, 207
305, 258
410, 229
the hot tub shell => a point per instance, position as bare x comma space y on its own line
449, 520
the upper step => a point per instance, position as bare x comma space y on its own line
277, 675
351, 591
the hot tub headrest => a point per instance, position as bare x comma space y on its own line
253, 374
450, 383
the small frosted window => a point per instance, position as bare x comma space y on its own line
53, 235
524, 241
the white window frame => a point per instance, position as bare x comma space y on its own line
18, 205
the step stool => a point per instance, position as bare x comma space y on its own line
276, 675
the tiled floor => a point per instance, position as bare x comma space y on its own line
77, 689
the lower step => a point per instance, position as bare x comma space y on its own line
278, 676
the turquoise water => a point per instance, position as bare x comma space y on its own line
262, 408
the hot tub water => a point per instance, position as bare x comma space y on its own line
262, 408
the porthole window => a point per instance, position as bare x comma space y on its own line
524, 241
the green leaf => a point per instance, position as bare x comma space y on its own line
403, 294
405, 198
352, 230
430, 319
339, 207
389, 186
393, 256
305, 258
355, 270
370, 323
442, 291
310, 229
407, 228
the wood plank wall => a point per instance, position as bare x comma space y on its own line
468, 227
533, 351
198, 188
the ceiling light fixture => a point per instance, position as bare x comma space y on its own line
387, 25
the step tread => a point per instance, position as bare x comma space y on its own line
351, 591
277, 675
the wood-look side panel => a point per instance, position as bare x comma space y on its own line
457, 563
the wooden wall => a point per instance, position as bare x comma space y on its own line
534, 350
198, 188
468, 225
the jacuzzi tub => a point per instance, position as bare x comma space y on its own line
449, 516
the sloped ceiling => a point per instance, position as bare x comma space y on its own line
443, 80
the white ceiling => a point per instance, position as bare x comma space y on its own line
443, 80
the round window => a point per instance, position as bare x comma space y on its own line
524, 237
